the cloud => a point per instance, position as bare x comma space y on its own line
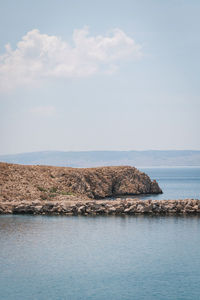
41, 56
44, 111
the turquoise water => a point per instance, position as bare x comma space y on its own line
99, 258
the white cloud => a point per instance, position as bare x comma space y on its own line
38, 56
44, 111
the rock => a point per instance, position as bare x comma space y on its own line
103, 207
37, 209
35, 183
111, 210
81, 209
119, 209
141, 209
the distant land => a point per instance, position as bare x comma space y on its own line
149, 158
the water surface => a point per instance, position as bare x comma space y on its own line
115, 258
176, 183
99, 258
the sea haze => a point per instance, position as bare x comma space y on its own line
85, 159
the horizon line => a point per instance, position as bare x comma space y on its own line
83, 151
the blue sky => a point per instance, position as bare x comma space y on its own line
99, 75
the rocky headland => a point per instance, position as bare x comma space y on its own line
30, 183
76, 191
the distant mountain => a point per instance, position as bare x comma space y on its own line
150, 158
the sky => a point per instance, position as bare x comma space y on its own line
99, 75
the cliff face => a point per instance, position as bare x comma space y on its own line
19, 182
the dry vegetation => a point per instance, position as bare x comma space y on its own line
20, 182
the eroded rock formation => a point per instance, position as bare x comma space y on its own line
31, 183
69, 191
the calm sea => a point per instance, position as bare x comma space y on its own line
97, 258
176, 183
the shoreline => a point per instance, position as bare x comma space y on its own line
103, 207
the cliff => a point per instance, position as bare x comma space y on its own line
31, 183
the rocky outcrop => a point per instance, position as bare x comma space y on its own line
68, 191
41, 183
103, 207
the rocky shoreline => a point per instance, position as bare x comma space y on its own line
41, 183
103, 207
46, 190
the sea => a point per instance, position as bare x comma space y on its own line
176, 183
111, 258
